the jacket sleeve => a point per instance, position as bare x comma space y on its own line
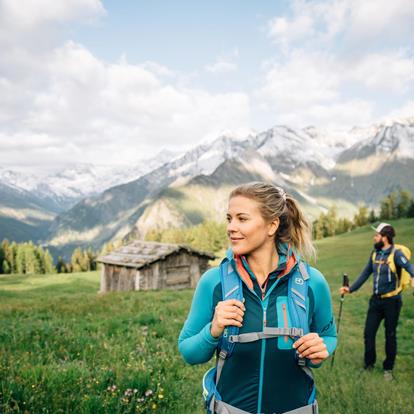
401, 261
195, 343
365, 274
323, 321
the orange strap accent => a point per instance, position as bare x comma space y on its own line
243, 272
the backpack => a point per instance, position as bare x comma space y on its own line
402, 275
232, 288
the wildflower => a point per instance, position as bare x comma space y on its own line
160, 396
154, 406
148, 393
128, 392
112, 388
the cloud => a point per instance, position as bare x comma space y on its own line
79, 107
370, 19
392, 71
299, 80
224, 64
403, 112
356, 23
221, 66
25, 15
338, 56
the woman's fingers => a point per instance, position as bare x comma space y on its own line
311, 346
229, 322
227, 313
232, 315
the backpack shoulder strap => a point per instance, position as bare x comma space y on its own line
231, 287
297, 295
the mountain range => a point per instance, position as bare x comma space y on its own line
86, 205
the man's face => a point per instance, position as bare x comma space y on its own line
379, 241
377, 238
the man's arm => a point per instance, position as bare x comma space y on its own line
401, 261
365, 274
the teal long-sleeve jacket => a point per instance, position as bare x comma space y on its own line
262, 376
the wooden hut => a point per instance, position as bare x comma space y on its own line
144, 265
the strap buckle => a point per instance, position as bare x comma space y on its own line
297, 332
223, 354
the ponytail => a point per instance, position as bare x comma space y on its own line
295, 229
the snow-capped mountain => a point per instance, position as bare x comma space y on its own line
317, 166
396, 139
60, 190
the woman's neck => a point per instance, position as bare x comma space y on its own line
263, 262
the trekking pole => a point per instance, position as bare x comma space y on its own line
345, 283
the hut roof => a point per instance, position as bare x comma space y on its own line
141, 253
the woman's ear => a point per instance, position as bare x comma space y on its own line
273, 226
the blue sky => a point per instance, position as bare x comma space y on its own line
116, 81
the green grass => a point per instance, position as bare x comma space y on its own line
64, 348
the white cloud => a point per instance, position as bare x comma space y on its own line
82, 108
404, 112
299, 80
358, 22
312, 21
340, 61
387, 71
221, 66
28, 14
224, 64
369, 19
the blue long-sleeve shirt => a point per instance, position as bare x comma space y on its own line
266, 369
384, 280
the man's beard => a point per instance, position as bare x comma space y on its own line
379, 245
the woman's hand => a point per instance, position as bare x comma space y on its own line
227, 312
311, 346
344, 290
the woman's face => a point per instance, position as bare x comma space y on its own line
246, 228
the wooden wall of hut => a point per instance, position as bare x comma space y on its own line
177, 271
117, 278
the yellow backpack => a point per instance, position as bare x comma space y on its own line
404, 281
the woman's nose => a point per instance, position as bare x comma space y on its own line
231, 227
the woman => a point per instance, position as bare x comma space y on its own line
263, 362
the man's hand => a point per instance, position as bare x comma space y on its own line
344, 290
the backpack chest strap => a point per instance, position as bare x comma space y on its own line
266, 334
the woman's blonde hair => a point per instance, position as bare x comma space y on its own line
274, 203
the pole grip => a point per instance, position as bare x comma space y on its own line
345, 280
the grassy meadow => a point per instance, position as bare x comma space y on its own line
66, 349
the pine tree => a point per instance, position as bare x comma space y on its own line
372, 218
361, 217
48, 262
6, 267
2, 258
76, 260
410, 211
404, 201
20, 259
61, 265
